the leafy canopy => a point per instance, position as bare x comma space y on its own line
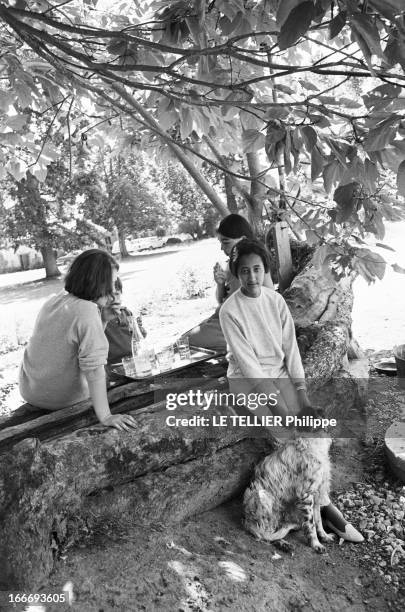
315, 85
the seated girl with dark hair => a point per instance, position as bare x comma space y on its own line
263, 352
260, 333
231, 230
118, 329
63, 363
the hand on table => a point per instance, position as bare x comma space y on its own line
122, 422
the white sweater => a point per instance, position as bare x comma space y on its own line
260, 335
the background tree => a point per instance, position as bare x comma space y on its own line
44, 215
190, 208
133, 201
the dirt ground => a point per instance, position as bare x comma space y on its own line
210, 564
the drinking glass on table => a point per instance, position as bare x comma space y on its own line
129, 366
183, 347
165, 358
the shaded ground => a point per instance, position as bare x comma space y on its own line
211, 564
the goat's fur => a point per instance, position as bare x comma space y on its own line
287, 491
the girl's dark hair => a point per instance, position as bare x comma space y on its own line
90, 275
247, 247
235, 226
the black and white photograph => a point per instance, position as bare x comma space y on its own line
202, 305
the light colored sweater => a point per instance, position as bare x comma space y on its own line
260, 335
68, 345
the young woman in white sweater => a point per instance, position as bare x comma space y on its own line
263, 351
260, 335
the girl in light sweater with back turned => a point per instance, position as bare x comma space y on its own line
63, 363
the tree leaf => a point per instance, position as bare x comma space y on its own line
309, 136
186, 122
346, 201
398, 268
374, 222
252, 140
275, 132
384, 246
349, 103
297, 23
287, 152
399, 144
337, 24
370, 265
357, 37
316, 163
381, 96
226, 25
338, 150
24, 94
39, 171
391, 158
308, 85
388, 8
381, 136
332, 173
250, 121
284, 89
16, 168
311, 237
284, 9
368, 31
6, 99
329, 100
371, 175
401, 178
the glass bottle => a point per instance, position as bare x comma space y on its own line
141, 352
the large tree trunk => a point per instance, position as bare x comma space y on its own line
230, 195
231, 182
49, 257
155, 472
123, 246
257, 193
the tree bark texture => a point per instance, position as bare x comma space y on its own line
123, 246
257, 193
49, 257
321, 308
154, 472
